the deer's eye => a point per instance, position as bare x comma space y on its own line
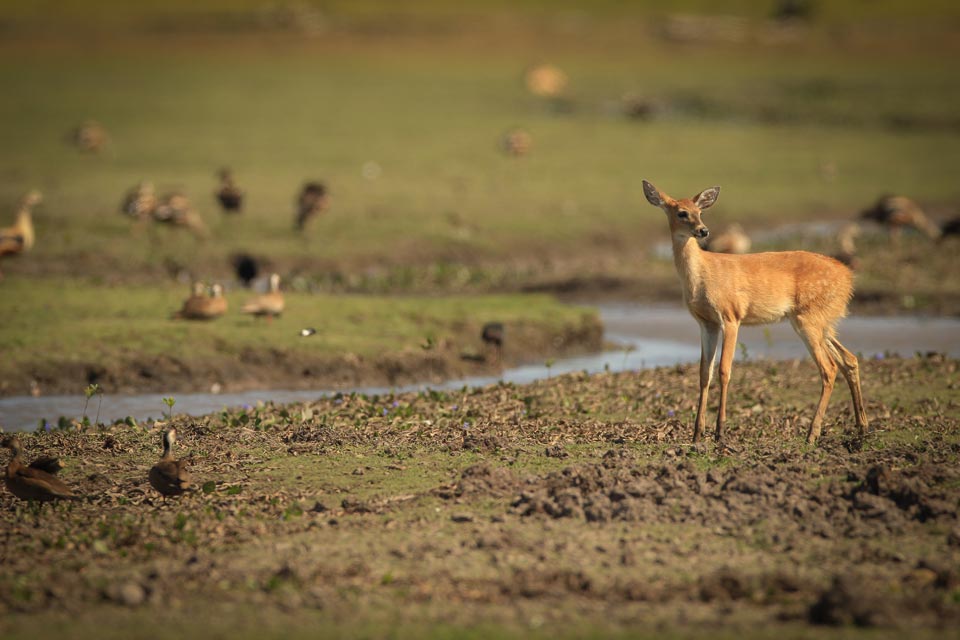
683, 215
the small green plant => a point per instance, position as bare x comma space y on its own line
170, 401
549, 365
92, 390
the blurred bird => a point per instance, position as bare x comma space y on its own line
897, 212
846, 238
516, 142
140, 202
170, 477
246, 267
30, 482
20, 237
733, 239
229, 195
89, 137
306, 333
492, 336
546, 81
175, 209
950, 228
313, 201
202, 307
270, 304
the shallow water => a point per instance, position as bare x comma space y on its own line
654, 335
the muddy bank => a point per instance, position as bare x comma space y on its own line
576, 502
462, 355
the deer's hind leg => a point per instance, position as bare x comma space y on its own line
814, 336
850, 369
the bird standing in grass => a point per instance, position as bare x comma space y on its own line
246, 267
175, 209
733, 239
897, 212
170, 477
20, 237
229, 195
312, 201
492, 336
33, 482
140, 202
202, 307
270, 304
89, 137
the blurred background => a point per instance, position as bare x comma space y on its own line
478, 147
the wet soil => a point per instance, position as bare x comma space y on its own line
461, 356
572, 501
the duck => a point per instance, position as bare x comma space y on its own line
312, 201
896, 212
229, 195
200, 306
492, 336
20, 237
170, 477
846, 237
733, 239
270, 304
246, 266
89, 137
175, 209
140, 202
516, 142
33, 482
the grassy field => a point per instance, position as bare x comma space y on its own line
567, 508
797, 125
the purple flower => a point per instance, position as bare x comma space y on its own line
878, 356
338, 401
671, 413
385, 412
453, 408
47, 426
466, 425
395, 404
247, 407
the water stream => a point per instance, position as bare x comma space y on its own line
653, 335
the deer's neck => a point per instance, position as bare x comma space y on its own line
688, 257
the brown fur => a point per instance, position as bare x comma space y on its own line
723, 292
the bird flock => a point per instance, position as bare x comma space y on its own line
38, 481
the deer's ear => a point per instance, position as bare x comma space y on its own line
653, 194
707, 197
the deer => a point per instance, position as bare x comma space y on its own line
724, 291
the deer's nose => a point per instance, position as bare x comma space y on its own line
701, 232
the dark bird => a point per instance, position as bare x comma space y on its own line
950, 228
313, 201
897, 212
246, 267
492, 336
170, 477
29, 482
229, 195
19, 238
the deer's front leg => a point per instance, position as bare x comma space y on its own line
709, 337
730, 331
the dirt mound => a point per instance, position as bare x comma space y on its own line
481, 479
780, 499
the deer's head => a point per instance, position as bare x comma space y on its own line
684, 215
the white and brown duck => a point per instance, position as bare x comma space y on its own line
170, 476
200, 306
269, 304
